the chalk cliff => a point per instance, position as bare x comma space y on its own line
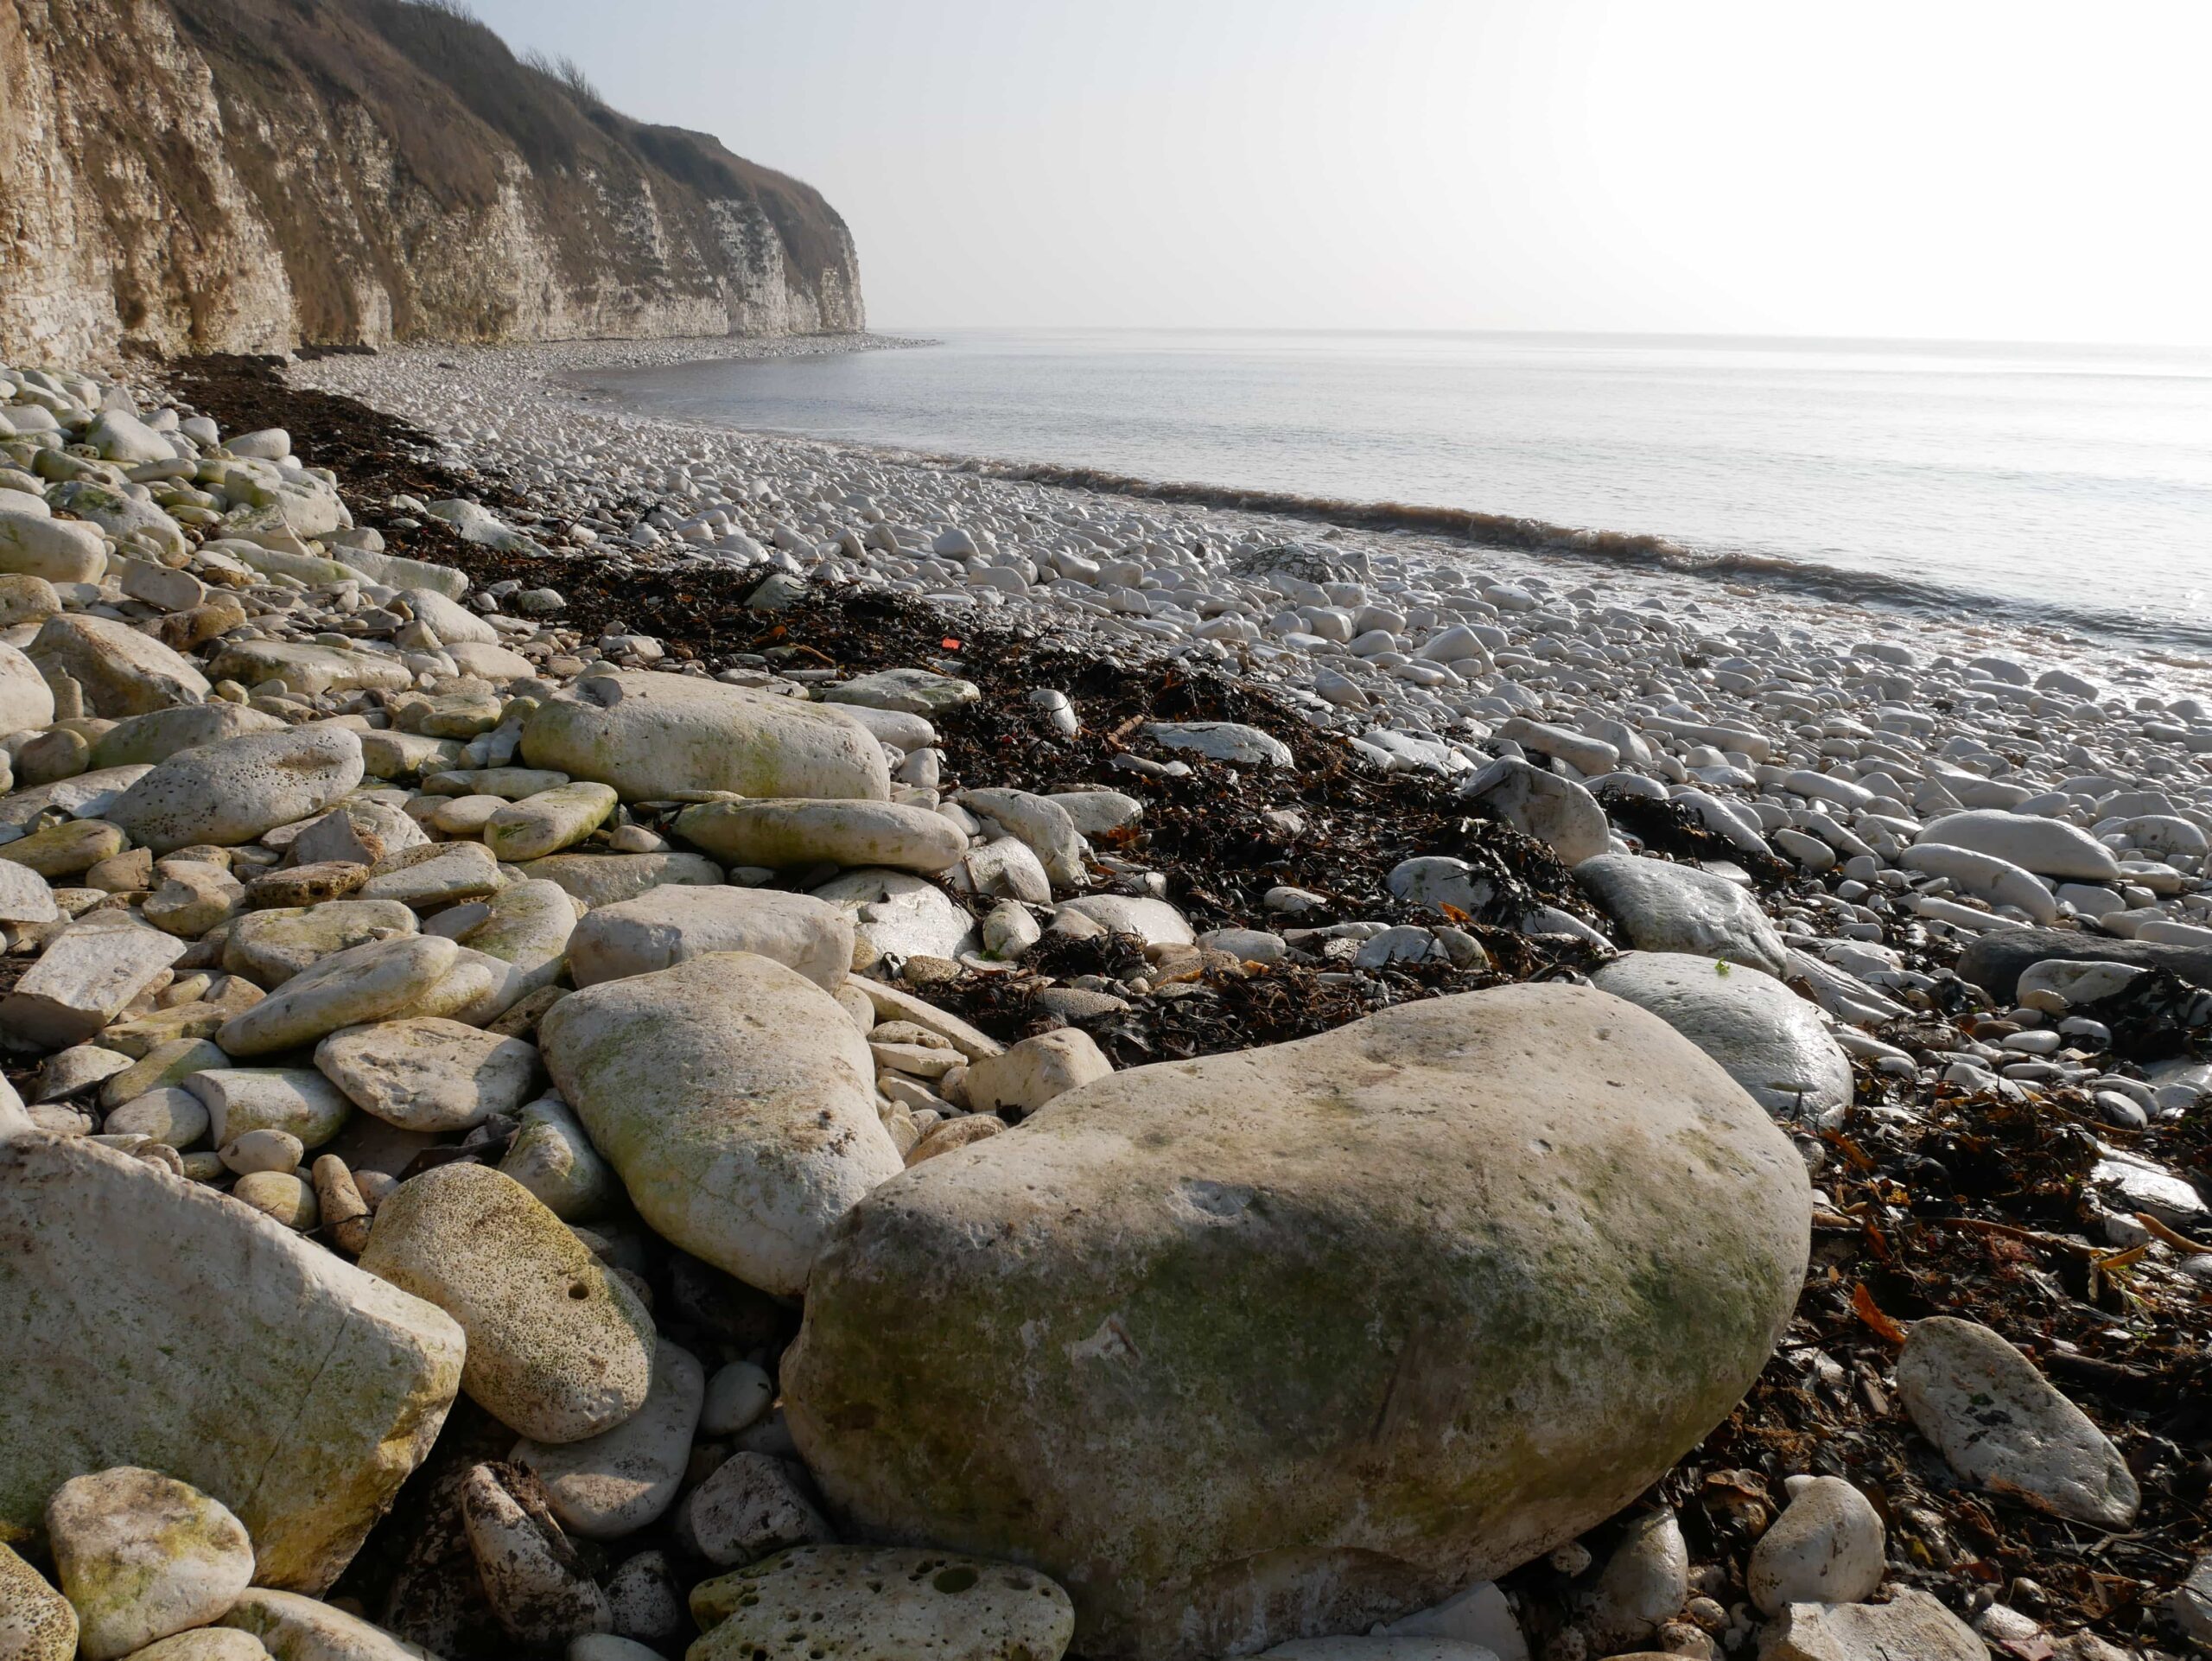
190, 175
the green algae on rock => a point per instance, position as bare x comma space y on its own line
268, 1374
1285, 1341
142, 1555
559, 1347
860, 1604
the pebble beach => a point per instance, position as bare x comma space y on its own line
742, 1046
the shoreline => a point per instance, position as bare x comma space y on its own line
1615, 545
1730, 586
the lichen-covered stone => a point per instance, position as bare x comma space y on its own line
737, 1101
559, 1348
858, 1603
608, 879
269, 947
268, 1374
429, 1074
206, 1644
155, 737
232, 791
1289, 1340
36, 1623
142, 1555
65, 850
548, 822
122, 672
308, 670
59, 551
294, 1628
553, 1158
377, 981
298, 1101
527, 925
436, 873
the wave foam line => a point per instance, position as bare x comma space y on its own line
1520, 533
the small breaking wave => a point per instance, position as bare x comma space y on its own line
1522, 534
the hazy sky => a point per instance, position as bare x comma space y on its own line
2013, 170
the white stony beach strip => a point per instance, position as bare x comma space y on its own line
413, 999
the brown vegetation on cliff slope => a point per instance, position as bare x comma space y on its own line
207, 174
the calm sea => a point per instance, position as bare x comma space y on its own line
2071, 485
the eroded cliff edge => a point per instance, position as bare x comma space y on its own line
190, 175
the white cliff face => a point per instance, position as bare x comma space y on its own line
193, 176
93, 246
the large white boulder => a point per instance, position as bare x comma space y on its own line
1286, 1341
1999, 1422
1043, 825
1222, 741
899, 914
668, 926
453, 625
60, 550
1910, 1624
736, 1099
25, 701
230, 792
660, 736
2046, 847
1556, 811
266, 1371
84, 978
1998, 881
779, 834
122, 673
618, 1482
120, 436
1827, 1547
294, 1628
1664, 907
1773, 1042
432, 1074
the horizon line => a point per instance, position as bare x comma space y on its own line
2203, 348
